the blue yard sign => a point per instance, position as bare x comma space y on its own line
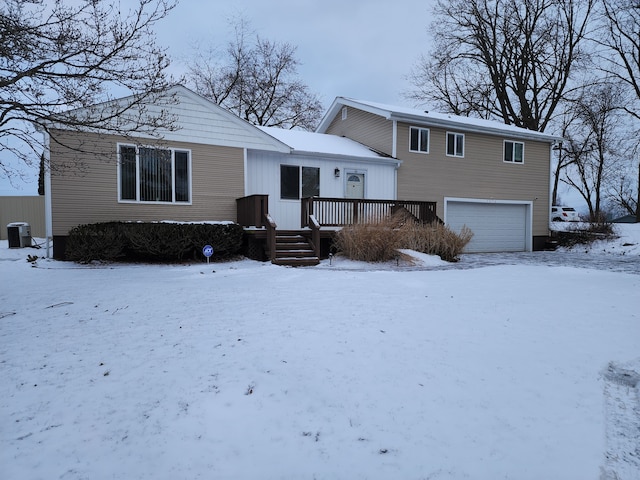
207, 251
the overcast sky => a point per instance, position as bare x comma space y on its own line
354, 48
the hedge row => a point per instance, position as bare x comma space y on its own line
151, 241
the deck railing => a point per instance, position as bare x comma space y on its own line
252, 210
338, 212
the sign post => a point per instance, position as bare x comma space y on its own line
207, 251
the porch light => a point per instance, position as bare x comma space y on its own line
336, 172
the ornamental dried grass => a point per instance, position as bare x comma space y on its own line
435, 239
368, 242
380, 242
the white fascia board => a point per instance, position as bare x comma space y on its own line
329, 116
335, 156
498, 130
429, 121
340, 102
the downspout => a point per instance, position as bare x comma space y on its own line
395, 181
552, 179
394, 148
394, 151
47, 193
245, 174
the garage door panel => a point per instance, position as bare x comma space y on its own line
497, 227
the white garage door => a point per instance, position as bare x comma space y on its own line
496, 227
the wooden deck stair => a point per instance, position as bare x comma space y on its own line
293, 249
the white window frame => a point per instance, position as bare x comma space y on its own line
300, 181
455, 135
344, 113
513, 151
420, 131
173, 179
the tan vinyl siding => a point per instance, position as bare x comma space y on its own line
29, 209
366, 128
90, 194
480, 174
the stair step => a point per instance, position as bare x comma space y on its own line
293, 249
294, 253
290, 239
297, 262
293, 246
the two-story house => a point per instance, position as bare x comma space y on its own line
492, 177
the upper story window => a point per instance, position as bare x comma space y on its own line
419, 139
149, 174
455, 144
513, 152
344, 113
294, 179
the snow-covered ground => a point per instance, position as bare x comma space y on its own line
245, 370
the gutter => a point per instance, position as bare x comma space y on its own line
474, 128
355, 159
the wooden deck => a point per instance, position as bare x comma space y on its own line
320, 218
339, 212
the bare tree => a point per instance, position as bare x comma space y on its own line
503, 59
620, 61
258, 81
621, 39
623, 195
59, 59
594, 146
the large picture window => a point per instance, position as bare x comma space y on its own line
419, 139
294, 179
154, 174
513, 152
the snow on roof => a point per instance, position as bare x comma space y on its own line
427, 117
310, 142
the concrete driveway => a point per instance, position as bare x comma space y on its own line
597, 261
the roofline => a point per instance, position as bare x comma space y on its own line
351, 158
231, 117
523, 133
341, 156
335, 107
281, 146
422, 120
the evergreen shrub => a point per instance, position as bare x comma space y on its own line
151, 241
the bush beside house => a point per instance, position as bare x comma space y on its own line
151, 241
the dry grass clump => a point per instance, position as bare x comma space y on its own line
368, 243
380, 242
435, 239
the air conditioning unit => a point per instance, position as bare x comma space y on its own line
19, 234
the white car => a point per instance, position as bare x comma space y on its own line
564, 214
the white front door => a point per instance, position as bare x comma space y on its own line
355, 185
